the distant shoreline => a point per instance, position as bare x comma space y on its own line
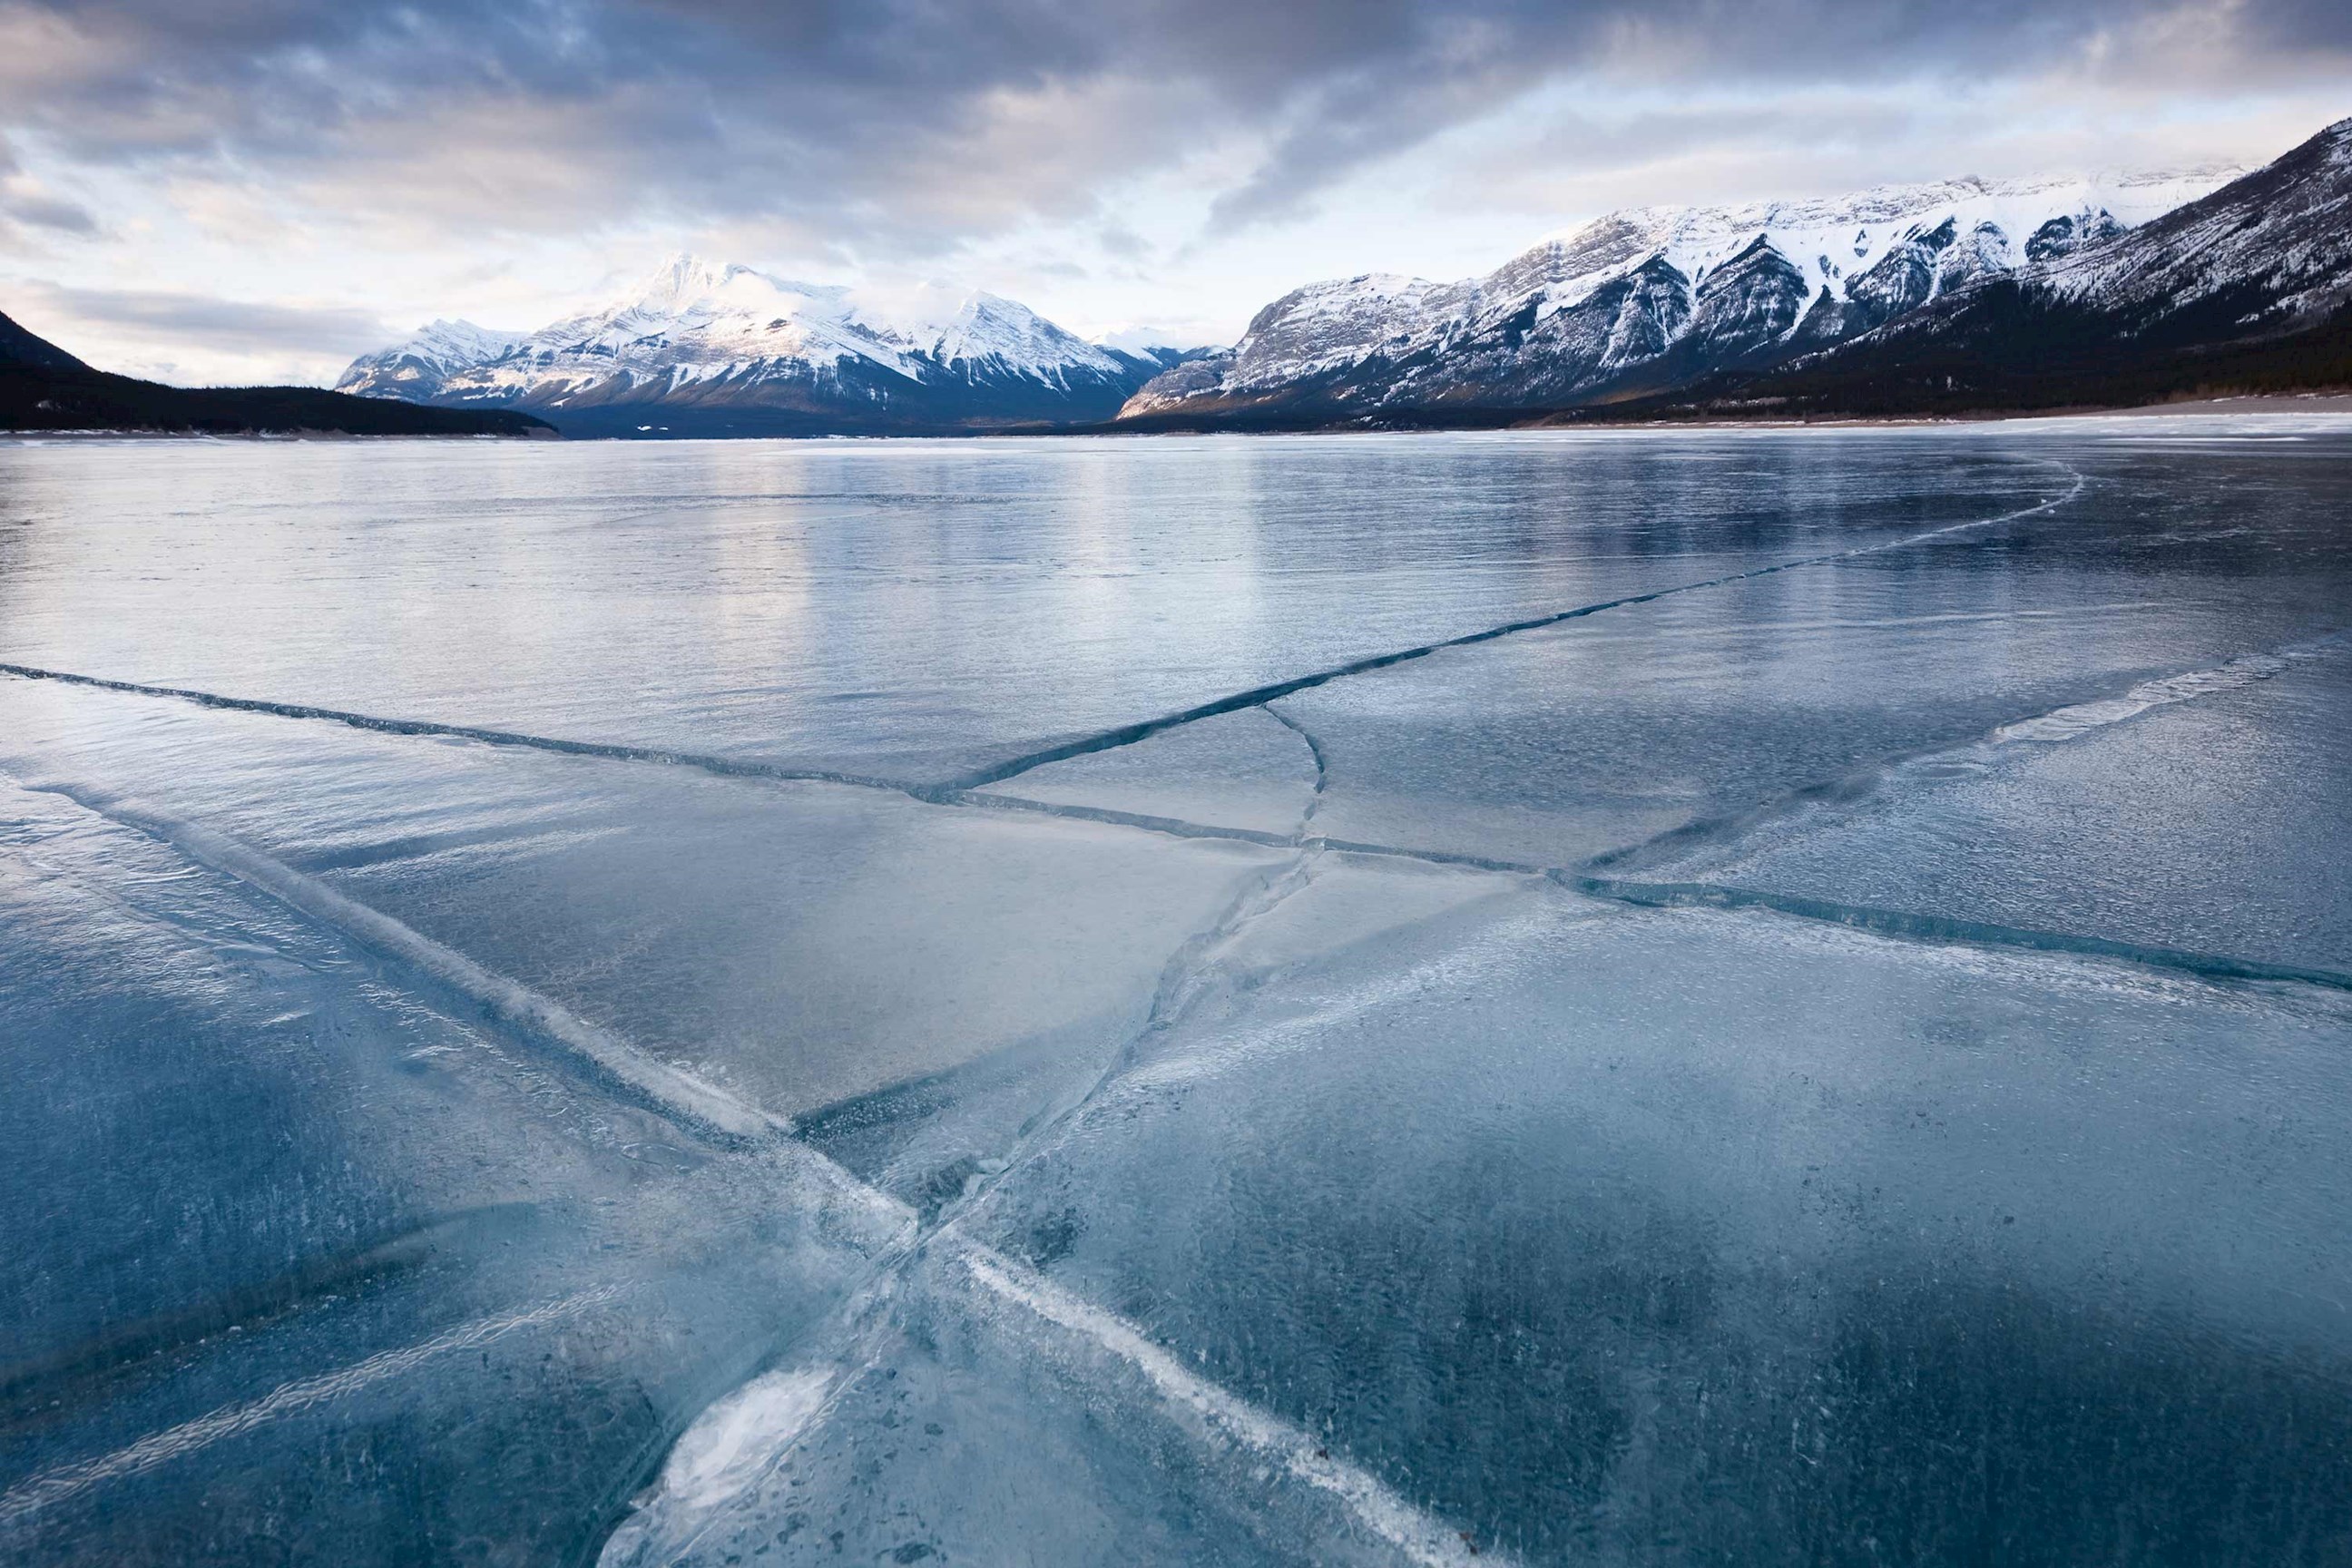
2261, 403
338, 437
2251, 402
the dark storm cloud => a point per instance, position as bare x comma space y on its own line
916, 122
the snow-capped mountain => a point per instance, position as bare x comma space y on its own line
2263, 254
2248, 288
413, 370
1650, 297
702, 348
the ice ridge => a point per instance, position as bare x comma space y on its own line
1943, 928
52, 1487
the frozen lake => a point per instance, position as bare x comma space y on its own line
1752, 997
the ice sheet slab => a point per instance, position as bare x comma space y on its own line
2204, 813
1654, 1236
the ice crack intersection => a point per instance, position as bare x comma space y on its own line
617, 1063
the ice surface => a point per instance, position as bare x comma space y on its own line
301, 1264
1754, 997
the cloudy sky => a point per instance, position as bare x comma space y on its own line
236, 190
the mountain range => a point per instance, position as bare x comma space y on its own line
704, 349
1641, 300
1970, 297
1960, 296
2246, 290
1943, 297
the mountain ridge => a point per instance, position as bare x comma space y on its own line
700, 347
1646, 298
2247, 288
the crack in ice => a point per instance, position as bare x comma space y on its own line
603, 1054
730, 767
1322, 764
2055, 726
1259, 696
1420, 1537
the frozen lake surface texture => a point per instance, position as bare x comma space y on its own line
1744, 998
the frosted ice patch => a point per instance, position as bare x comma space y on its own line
723, 1455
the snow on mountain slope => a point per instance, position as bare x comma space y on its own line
699, 336
2280, 240
1648, 286
2249, 288
415, 368
984, 334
